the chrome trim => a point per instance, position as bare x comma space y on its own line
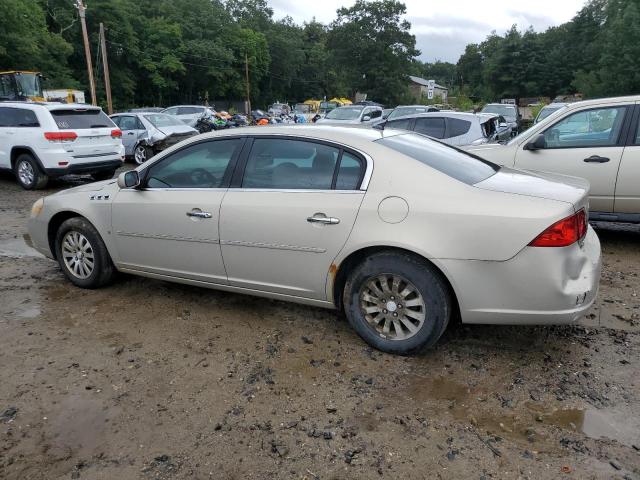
324, 220
160, 236
274, 246
293, 190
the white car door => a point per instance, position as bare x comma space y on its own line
291, 213
169, 226
7, 136
628, 182
587, 143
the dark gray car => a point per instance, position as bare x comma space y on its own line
145, 134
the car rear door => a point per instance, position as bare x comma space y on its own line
628, 183
293, 206
169, 226
587, 143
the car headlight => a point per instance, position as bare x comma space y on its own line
37, 207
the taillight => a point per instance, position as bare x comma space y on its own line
60, 136
116, 133
563, 233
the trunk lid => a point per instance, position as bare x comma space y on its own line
551, 186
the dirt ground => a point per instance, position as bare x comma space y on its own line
152, 380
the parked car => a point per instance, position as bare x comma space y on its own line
145, 134
508, 111
397, 230
453, 128
503, 131
189, 114
43, 140
548, 110
596, 139
146, 110
404, 110
351, 114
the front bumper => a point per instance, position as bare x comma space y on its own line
536, 287
83, 168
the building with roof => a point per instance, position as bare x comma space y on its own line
420, 88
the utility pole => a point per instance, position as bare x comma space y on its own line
246, 74
105, 62
87, 51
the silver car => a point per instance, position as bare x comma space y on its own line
400, 232
352, 115
189, 114
453, 128
145, 134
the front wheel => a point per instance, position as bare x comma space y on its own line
397, 303
82, 255
141, 154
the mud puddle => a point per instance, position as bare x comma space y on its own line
18, 247
529, 422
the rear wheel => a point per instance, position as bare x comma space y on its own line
397, 302
28, 173
142, 153
106, 175
82, 255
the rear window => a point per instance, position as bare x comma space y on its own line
81, 119
455, 163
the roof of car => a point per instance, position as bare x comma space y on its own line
464, 115
52, 105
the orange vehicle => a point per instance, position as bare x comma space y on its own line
17, 85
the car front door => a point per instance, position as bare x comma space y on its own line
588, 144
628, 183
292, 210
169, 226
131, 131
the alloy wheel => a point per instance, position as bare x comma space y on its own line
77, 254
140, 154
26, 173
392, 306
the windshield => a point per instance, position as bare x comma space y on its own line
548, 110
446, 159
29, 85
344, 113
160, 120
508, 111
402, 111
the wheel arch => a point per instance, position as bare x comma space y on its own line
54, 224
18, 150
339, 273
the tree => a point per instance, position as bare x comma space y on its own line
374, 49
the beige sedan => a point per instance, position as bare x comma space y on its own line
400, 232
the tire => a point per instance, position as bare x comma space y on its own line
141, 154
28, 173
106, 175
69, 243
428, 301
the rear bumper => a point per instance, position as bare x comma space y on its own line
538, 286
87, 167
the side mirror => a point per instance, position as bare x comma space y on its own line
537, 143
366, 118
129, 179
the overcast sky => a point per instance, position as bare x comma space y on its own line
443, 28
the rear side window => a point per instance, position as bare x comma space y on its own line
81, 119
444, 158
457, 127
17, 117
350, 172
432, 126
290, 164
404, 124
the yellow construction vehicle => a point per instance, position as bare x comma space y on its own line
16, 85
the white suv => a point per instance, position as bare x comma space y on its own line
43, 140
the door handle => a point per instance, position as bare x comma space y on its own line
596, 159
199, 214
323, 220
130, 133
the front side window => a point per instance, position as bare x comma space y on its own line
17, 117
431, 126
444, 158
290, 164
201, 165
591, 128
